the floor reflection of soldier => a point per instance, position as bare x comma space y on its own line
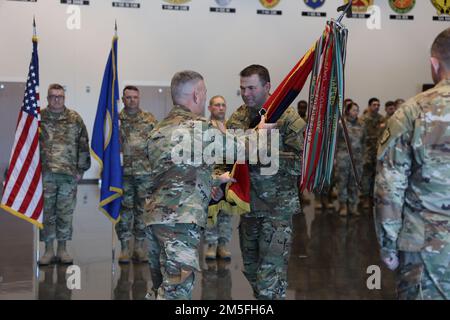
298, 260
135, 289
54, 290
139, 287
216, 280
123, 287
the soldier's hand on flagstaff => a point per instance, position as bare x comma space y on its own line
216, 193
263, 125
225, 178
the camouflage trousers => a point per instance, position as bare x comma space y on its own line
135, 190
265, 246
60, 196
345, 180
368, 176
424, 275
173, 259
221, 232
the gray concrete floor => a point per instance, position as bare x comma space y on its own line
329, 260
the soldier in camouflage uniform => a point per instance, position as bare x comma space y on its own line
64, 146
398, 102
302, 109
135, 128
176, 210
390, 108
346, 184
265, 233
218, 236
412, 187
371, 123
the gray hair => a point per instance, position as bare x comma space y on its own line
179, 82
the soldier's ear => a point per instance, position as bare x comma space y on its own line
435, 64
267, 87
195, 96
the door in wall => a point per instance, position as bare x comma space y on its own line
156, 99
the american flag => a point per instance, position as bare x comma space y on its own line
22, 192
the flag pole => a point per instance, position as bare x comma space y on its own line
114, 242
36, 248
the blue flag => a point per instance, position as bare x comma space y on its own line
105, 140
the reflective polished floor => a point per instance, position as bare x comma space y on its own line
329, 260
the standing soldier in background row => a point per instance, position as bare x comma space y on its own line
398, 102
371, 124
413, 187
135, 128
390, 108
346, 184
218, 236
64, 145
302, 108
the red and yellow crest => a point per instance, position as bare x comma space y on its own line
269, 4
402, 6
360, 6
442, 6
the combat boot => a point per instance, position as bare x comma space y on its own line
318, 202
139, 254
124, 253
223, 252
211, 252
353, 209
62, 255
366, 202
343, 209
49, 255
326, 203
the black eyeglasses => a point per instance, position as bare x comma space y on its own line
56, 97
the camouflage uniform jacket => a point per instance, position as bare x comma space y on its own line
64, 143
180, 191
372, 131
356, 135
134, 134
269, 193
412, 186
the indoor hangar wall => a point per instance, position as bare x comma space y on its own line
388, 62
